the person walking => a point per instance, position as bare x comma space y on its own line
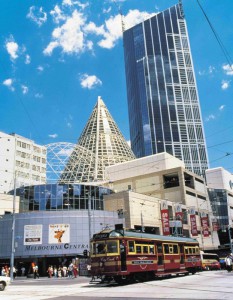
228, 261
35, 271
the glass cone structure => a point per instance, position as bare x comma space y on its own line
57, 157
163, 104
101, 144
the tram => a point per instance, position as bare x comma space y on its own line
128, 255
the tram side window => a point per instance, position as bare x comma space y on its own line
160, 249
166, 249
152, 249
112, 247
171, 249
191, 250
145, 249
131, 246
138, 249
175, 249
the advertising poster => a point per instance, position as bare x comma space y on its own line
165, 218
193, 222
178, 212
32, 234
204, 224
59, 233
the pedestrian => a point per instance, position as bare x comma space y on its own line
75, 271
3, 272
50, 271
23, 271
228, 261
70, 270
35, 271
55, 271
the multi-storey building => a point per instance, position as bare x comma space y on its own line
220, 188
22, 162
145, 184
163, 103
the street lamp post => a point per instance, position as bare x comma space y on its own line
13, 232
89, 218
229, 233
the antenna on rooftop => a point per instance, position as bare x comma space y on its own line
122, 17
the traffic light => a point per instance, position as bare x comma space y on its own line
85, 253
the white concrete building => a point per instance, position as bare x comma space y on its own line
141, 186
22, 162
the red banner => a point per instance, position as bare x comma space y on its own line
205, 227
165, 221
193, 225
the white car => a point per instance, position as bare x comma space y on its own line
4, 281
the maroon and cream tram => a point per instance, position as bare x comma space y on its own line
128, 255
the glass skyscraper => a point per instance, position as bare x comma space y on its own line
163, 104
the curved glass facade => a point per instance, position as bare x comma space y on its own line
47, 197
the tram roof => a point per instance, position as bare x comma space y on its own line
138, 234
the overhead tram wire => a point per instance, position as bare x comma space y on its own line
223, 48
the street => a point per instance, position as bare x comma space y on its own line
204, 285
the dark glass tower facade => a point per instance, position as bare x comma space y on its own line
163, 104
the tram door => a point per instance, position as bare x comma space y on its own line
171, 256
123, 256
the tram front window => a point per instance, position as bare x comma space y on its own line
99, 248
112, 246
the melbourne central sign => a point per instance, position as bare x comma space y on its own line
56, 247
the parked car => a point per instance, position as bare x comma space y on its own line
4, 281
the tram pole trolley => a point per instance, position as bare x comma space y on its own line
129, 255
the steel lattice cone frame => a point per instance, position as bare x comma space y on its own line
101, 144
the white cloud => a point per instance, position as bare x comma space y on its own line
135, 17
37, 15
228, 69
53, 136
40, 68
72, 35
27, 59
89, 81
210, 117
211, 70
24, 89
111, 31
221, 108
73, 2
106, 11
12, 48
57, 14
9, 83
225, 84
69, 36
38, 95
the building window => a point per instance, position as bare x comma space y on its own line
171, 180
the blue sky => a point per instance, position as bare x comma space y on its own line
57, 57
